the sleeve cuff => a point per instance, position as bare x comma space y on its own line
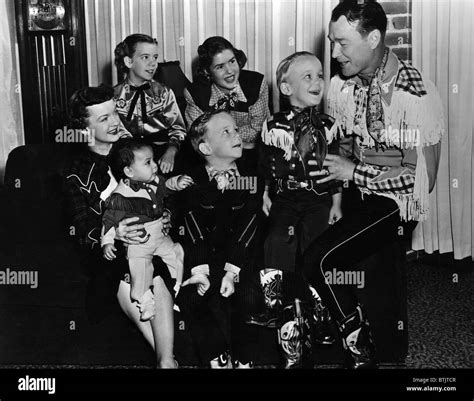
110, 188
172, 183
229, 267
201, 269
359, 175
108, 237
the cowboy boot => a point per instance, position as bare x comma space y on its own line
357, 341
322, 332
294, 338
271, 315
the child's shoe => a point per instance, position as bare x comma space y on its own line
146, 305
239, 365
223, 361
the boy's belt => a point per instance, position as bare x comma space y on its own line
293, 185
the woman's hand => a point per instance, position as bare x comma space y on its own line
130, 234
166, 222
166, 161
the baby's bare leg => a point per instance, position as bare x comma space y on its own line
163, 325
131, 310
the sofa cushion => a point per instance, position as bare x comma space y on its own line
34, 193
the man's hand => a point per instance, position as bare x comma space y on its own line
338, 167
166, 161
227, 285
267, 203
130, 234
202, 282
109, 251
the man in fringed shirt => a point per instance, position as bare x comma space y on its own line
390, 121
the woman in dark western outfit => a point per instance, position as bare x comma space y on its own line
88, 182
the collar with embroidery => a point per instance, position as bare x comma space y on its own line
407, 78
222, 177
217, 94
212, 172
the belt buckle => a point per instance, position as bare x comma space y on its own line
292, 184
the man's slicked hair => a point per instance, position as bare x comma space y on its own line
368, 14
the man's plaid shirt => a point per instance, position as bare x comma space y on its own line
384, 178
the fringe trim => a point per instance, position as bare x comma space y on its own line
414, 121
279, 138
331, 134
410, 121
410, 207
341, 106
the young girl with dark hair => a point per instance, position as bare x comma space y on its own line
147, 108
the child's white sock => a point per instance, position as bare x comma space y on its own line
146, 305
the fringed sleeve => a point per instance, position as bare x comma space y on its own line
414, 124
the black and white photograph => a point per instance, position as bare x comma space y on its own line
299, 173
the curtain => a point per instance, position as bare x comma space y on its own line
266, 30
11, 123
443, 49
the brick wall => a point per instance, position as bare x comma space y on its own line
398, 35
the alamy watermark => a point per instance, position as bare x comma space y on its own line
403, 137
239, 183
345, 277
17, 277
28, 383
70, 135
243, 183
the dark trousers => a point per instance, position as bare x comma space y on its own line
217, 324
368, 226
296, 219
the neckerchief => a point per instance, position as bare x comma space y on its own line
222, 177
137, 185
140, 93
309, 135
227, 101
374, 114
